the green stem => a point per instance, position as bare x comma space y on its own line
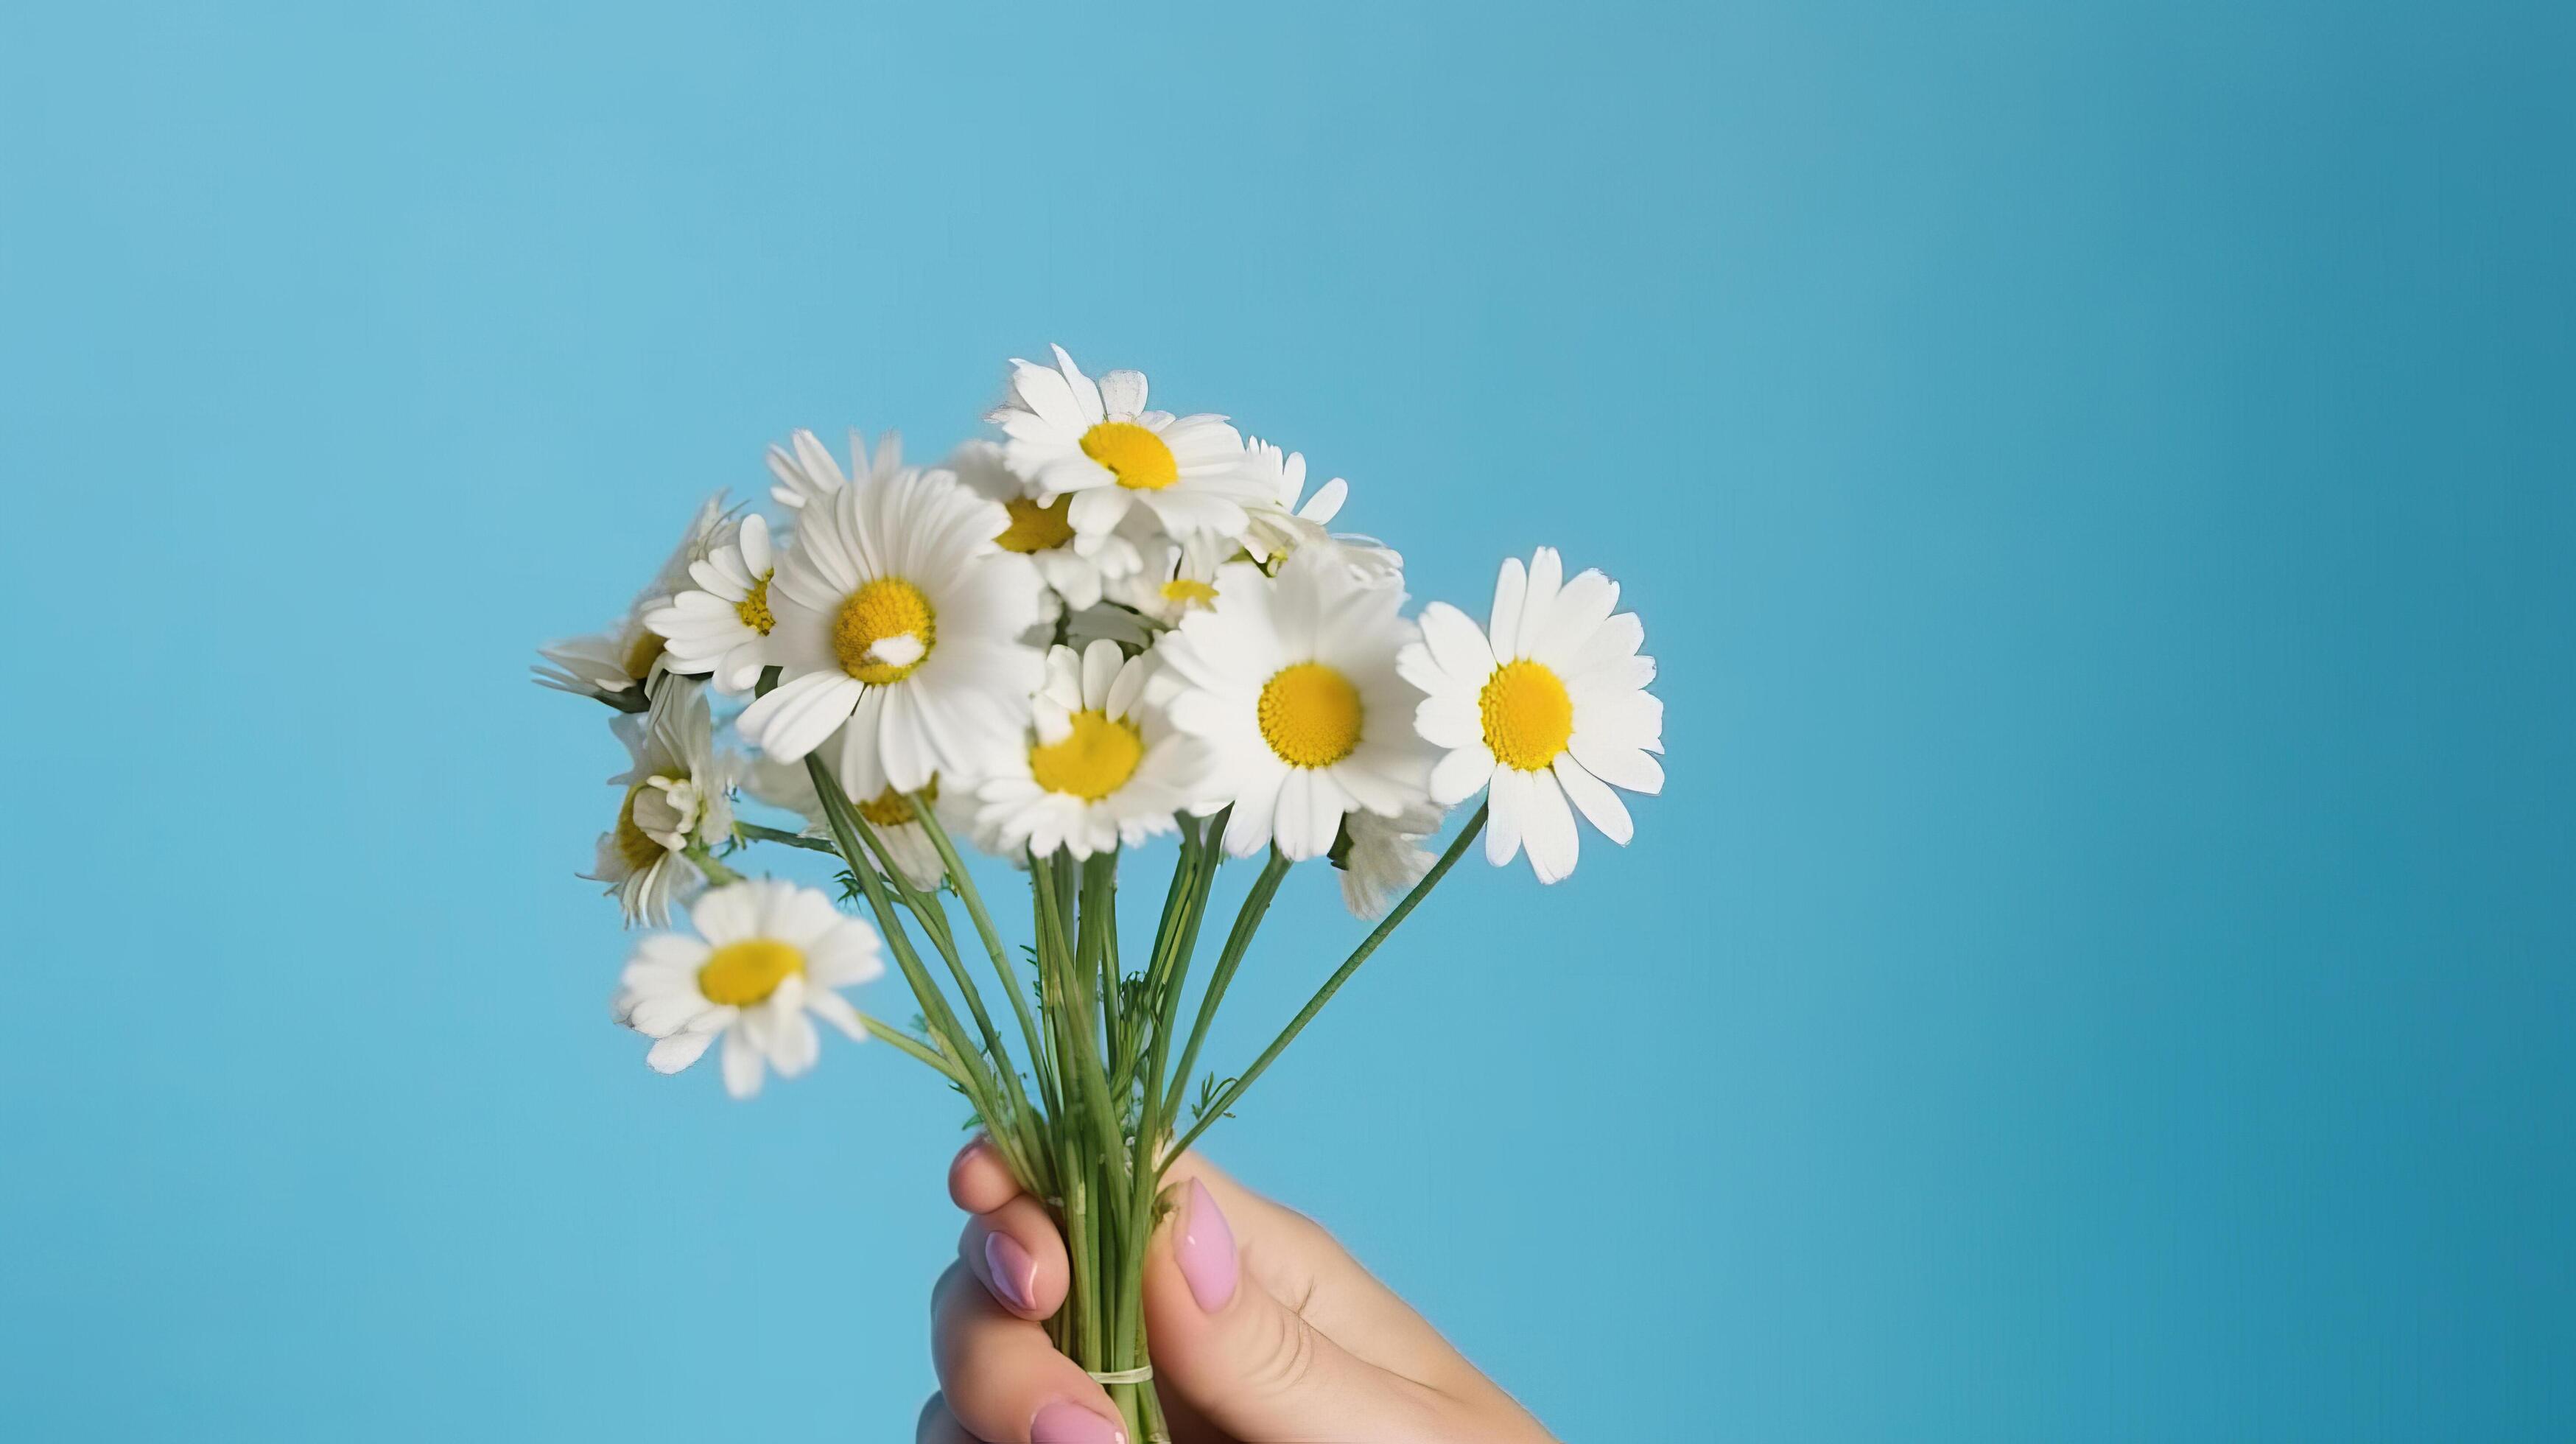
1002, 969
905, 1042
1247, 920
754, 832
1332, 985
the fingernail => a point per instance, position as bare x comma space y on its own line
1011, 1272
1206, 1250
1063, 1422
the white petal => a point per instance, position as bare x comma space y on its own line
1549, 829
1502, 629
742, 1065
1459, 774
1510, 804
677, 1051
1456, 644
1599, 804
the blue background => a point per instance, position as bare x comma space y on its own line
2098, 480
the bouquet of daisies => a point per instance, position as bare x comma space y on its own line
1108, 626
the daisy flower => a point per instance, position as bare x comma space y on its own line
806, 471
1179, 577
1384, 856
1283, 523
764, 966
1548, 704
1100, 767
629, 654
721, 626
1096, 442
678, 795
1293, 685
897, 614
890, 814
1040, 530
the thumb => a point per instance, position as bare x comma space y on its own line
1225, 1339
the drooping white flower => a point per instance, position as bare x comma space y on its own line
1293, 685
1549, 704
765, 964
628, 654
896, 613
1283, 523
1386, 856
1101, 766
806, 470
1041, 531
678, 795
889, 814
1097, 442
720, 626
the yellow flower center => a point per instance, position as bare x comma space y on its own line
741, 974
1528, 716
1184, 593
1094, 760
1036, 526
891, 808
754, 608
635, 846
1134, 455
643, 652
884, 610
1310, 715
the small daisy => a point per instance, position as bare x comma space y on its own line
1179, 577
678, 796
1293, 685
721, 626
897, 614
1283, 524
1100, 768
629, 654
1040, 531
1096, 442
1550, 704
890, 815
768, 955
1385, 857
808, 471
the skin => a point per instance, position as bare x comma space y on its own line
1308, 1346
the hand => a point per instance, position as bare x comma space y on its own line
1262, 1330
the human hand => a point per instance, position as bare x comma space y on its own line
1262, 1330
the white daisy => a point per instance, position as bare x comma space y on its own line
679, 795
1097, 442
1551, 703
629, 654
721, 626
1040, 531
1100, 768
1385, 857
1179, 577
896, 613
1293, 685
808, 471
768, 955
890, 815
1283, 523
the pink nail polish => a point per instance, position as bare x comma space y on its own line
1011, 1272
1061, 1422
1205, 1250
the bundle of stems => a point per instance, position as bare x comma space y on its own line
1088, 1114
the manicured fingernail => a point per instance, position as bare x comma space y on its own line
1063, 1422
1206, 1250
1011, 1272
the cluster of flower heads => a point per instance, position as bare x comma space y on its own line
1062, 640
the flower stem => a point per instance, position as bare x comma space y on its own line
1247, 920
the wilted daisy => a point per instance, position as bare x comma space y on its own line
1096, 442
806, 470
896, 613
1284, 523
1384, 856
1100, 768
1040, 530
629, 654
1549, 704
720, 627
764, 966
678, 795
1294, 687
889, 814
